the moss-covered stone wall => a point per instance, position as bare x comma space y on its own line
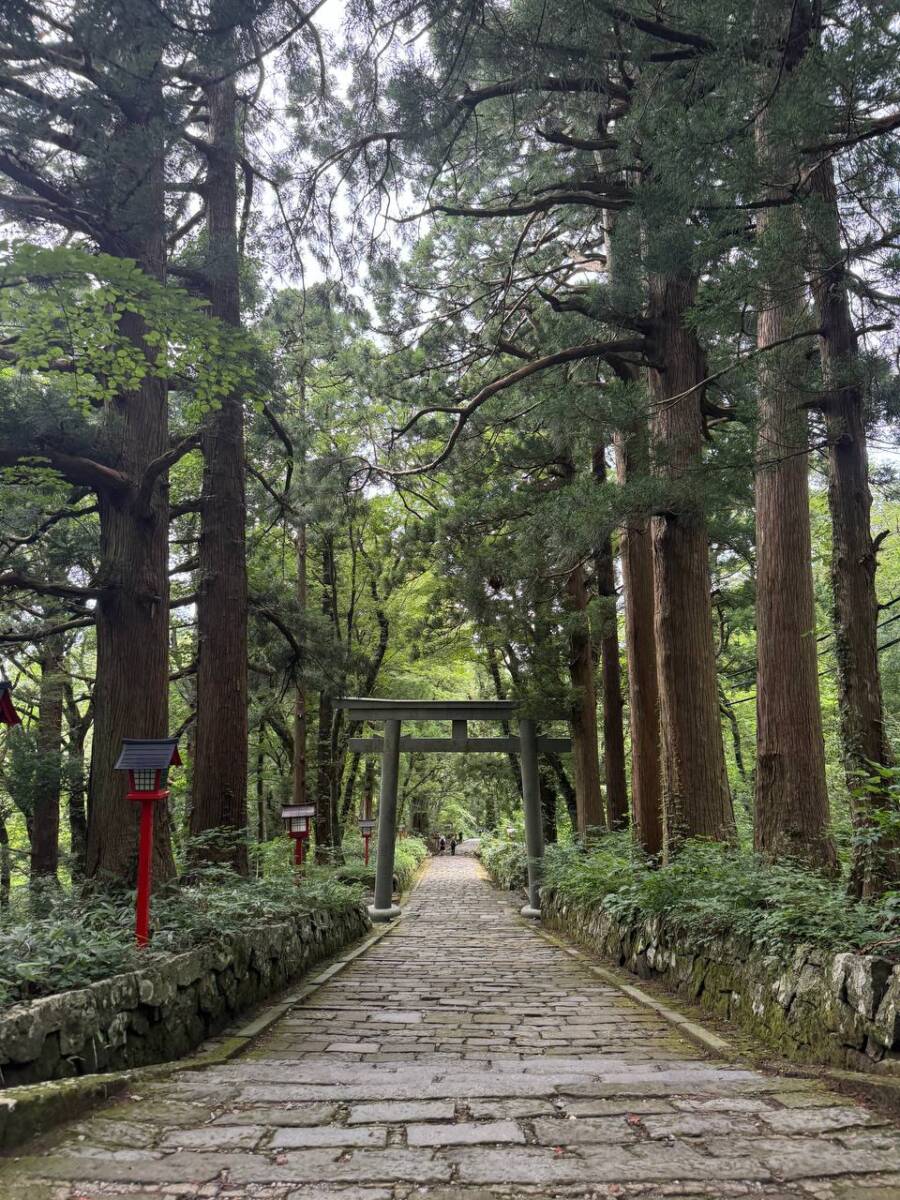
168, 1008
836, 1009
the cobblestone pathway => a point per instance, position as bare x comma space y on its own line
465, 1056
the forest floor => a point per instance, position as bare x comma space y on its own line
464, 1055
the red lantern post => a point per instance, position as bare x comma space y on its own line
147, 762
8, 714
296, 818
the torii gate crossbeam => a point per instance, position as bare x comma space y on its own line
458, 712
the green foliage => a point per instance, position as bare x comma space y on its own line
505, 861
408, 856
275, 858
78, 941
711, 891
74, 312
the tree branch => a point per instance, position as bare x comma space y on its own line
15, 580
463, 413
38, 635
160, 465
82, 471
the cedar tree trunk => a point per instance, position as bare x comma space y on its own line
132, 616
301, 721
853, 558
613, 732
585, 751
77, 731
636, 555
325, 832
48, 775
696, 793
219, 795
791, 807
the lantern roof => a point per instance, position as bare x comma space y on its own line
298, 810
148, 754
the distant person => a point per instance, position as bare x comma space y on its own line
453, 845
442, 846
459, 836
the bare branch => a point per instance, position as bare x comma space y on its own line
16, 581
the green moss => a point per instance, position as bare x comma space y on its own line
38, 1107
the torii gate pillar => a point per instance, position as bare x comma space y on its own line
534, 826
384, 909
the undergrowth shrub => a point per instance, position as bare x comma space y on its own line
710, 891
408, 854
505, 860
75, 941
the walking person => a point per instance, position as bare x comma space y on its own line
453, 844
442, 845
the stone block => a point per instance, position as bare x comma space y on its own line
396, 1111
162, 1011
465, 1133
887, 1020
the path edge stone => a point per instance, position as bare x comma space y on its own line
881, 1091
32, 1109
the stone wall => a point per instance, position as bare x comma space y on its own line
165, 1010
836, 1009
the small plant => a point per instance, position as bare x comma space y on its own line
711, 891
78, 941
505, 860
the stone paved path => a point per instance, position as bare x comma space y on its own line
465, 1056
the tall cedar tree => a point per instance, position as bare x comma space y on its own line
88, 156
791, 811
219, 781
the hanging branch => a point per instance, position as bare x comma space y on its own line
464, 412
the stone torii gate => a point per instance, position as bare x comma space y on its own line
458, 712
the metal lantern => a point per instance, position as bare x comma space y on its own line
147, 761
366, 825
8, 714
296, 818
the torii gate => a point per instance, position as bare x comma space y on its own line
458, 713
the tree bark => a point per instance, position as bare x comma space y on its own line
132, 614
350, 729
325, 765
636, 556
697, 800
853, 560
548, 792
613, 705
77, 731
262, 830
500, 693
791, 804
5, 866
48, 773
219, 796
585, 749
301, 722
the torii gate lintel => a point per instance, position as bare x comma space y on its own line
458, 712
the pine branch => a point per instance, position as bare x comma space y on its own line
464, 412
80, 471
16, 581
49, 631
